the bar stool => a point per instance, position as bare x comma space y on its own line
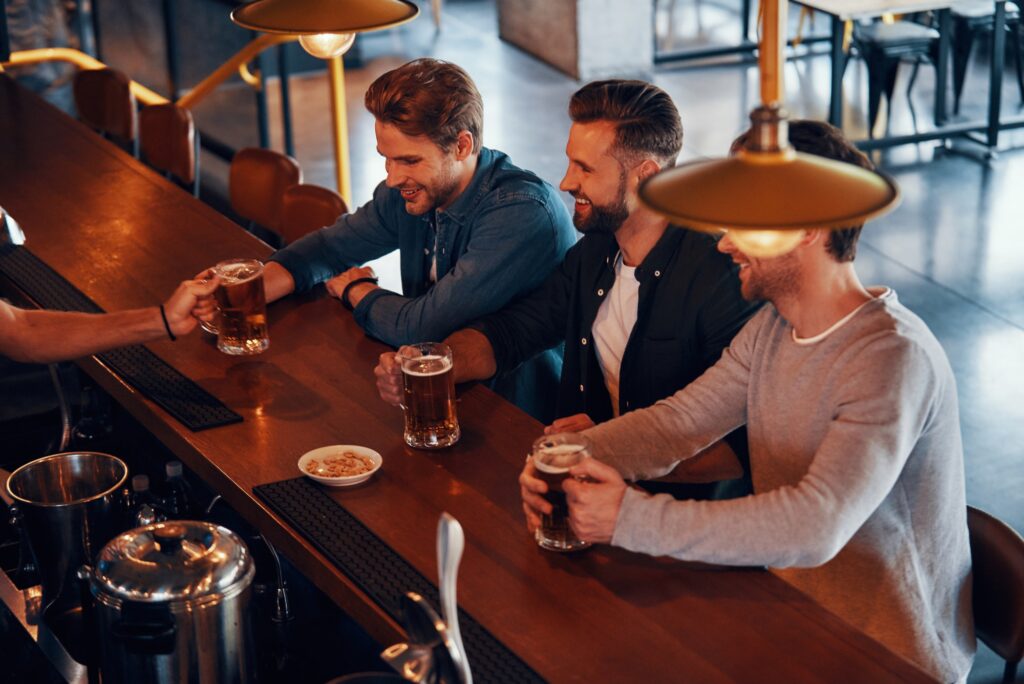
883, 46
971, 21
257, 181
170, 143
105, 102
307, 208
997, 553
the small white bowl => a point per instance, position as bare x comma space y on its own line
324, 452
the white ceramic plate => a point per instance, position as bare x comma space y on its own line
337, 449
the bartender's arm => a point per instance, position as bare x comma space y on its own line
47, 336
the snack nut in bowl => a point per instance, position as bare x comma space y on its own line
340, 465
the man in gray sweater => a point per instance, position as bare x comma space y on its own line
855, 452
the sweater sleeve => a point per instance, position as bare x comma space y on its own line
876, 420
648, 442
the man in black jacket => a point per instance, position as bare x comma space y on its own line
643, 308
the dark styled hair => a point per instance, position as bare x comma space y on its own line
645, 118
825, 140
429, 97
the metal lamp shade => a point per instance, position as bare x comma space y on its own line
769, 191
767, 186
323, 16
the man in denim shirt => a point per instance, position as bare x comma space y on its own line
474, 231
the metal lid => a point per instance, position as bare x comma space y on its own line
181, 560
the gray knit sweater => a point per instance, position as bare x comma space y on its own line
857, 465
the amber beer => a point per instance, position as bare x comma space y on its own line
241, 322
552, 457
429, 396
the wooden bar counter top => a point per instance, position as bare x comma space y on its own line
125, 237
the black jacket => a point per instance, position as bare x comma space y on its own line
689, 309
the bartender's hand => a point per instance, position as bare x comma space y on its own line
336, 285
594, 491
532, 490
181, 305
576, 423
206, 306
389, 378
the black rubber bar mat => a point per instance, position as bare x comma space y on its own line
193, 406
381, 573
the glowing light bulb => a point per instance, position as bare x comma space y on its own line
327, 45
764, 244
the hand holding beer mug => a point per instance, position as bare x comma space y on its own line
241, 321
428, 395
552, 457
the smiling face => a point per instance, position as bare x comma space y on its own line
427, 176
596, 178
764, 279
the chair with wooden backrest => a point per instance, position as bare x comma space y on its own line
998, 556
170, 142
257, 181
307, 208
105, 102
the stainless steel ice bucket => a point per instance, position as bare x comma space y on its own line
67, 505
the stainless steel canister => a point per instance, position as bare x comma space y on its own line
67, 506
172, 604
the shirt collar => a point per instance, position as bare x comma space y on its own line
657, 259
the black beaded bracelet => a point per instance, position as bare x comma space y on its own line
167, 326
344, 293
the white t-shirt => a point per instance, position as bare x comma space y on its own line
613, 325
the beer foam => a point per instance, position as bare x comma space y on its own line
444, 363
559, 458
236, 274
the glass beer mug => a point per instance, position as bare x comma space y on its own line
553, 456
428, 395
241, 321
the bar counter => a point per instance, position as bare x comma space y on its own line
125, 237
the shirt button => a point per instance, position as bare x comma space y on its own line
600, 293
426, 251
657, 274
581, 388
584, 341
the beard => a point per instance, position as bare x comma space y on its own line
776, 282
606, 218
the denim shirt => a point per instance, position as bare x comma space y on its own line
499, 239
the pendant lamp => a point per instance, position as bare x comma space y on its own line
326, 28
768, 192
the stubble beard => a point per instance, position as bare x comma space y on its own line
781, 281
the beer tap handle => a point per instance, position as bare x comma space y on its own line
450, 543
